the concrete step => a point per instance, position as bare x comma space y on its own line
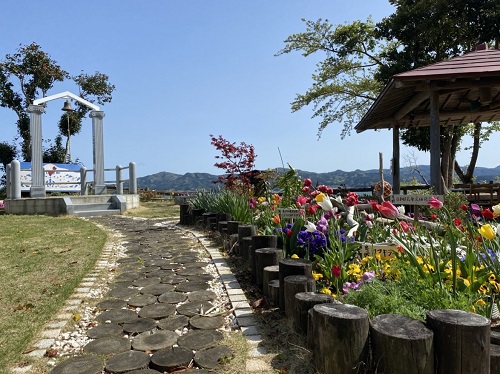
90, 213
94, 206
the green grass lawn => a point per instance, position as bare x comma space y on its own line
43, 259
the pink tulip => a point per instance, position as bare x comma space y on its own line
435, 203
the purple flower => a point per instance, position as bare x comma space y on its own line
368, 276
322, 225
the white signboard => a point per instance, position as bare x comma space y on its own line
288, 213
58, 177
414, 199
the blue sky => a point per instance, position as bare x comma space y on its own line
184, 69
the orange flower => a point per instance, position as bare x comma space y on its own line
276, 219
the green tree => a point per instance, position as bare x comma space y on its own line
29, 74
8, 152
361, 57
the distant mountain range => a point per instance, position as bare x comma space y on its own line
357, 178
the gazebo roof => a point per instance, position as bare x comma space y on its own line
468, 87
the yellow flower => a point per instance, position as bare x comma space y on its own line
487, 231
294, 256
480, 302
317, 276
261, 199
326, 291
466, 282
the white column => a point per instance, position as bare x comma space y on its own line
98, 146
37, 172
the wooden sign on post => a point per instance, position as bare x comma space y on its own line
414, 199
288, 213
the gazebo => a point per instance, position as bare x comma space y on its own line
464, 89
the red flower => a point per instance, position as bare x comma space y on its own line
400, 249
464, 207
487, 213
305, 189
433, 217
307, 182
351, 199
322, 188
329, 191
404, 226
457, 222
388, 210
336, 271
311, 209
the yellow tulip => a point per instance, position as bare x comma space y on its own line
324, 202
487, 231
294, 256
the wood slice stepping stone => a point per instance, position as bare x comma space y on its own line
191, 286
130, 276
139, 325
157, 262
159, 273
146, 281
111, 304
210, 358
108, 329
116, 316
200, 277
191, 271
149, 269
142, 300
171, 266
206, 323
196, 371
192, 309
198, 264
123, 293
197, 296
120, 284
82, 365
172, 279
127, 361
157, 311
172, 297
200, 339
169, 360
107, 345
157, 289
173, 323
144, 371
153, 342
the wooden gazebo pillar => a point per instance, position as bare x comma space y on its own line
396, 172
435, 146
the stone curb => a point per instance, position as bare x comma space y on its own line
242, 308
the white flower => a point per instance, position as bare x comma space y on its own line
401, 209
310, 227
323, 200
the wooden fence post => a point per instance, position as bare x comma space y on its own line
340, 333
461, 341
401, 344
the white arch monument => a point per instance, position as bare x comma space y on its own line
37, 172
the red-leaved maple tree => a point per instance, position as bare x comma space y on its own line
237, 161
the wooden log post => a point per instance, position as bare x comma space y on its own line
274, 295
269, 274
232, 227
246, 231
197, 215
184, 214
461, 341
205, 217
222, 227
233, 244
265, 257
340, 333
291, 266
293, 285
212, 223
244, 250
303, 302
494, 358
401, 344
261, 241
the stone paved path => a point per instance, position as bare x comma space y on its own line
168, 306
